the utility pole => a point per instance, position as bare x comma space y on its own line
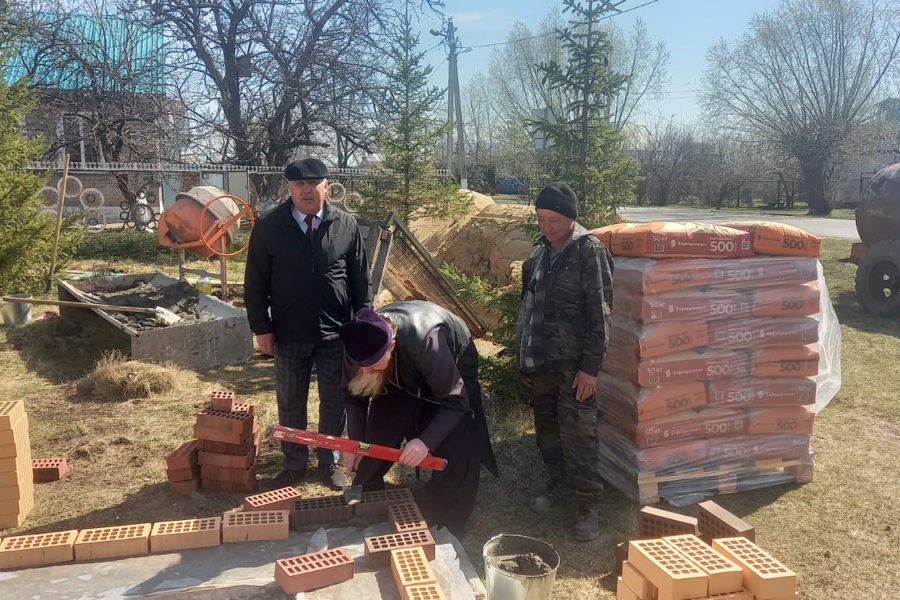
454, 105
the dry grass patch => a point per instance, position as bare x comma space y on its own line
116, 378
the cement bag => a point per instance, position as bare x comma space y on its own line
625, 402
604, 234
770, 331
703, 304
785, 361
761, 271
786, 301
635, 276
779, 238
749, 392
681, 367
658, 339
662, 239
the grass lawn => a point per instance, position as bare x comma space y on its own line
840, 533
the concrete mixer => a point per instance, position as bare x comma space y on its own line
205, 219
878, 257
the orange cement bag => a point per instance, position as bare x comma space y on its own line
779, 239
786, 301
785, 361
686, 366
662, 239
680, 306
604, 234
635, 276
624, 402
758, 448
772, 331
762, 270
781, 419
658, 339
691, 425
760, 392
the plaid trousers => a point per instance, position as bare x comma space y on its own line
293, 371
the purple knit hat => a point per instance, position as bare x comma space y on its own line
366, 338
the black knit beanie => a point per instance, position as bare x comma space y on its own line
560, 198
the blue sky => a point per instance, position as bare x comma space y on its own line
688, 28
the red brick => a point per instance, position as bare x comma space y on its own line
219, 435
623, 592
244, 407
741, 595
228, 461
724, 575
378, 548
655, 523
211, 485
49, 469
241, 476
676, 577
280, 499
716, 522
237, 423
243, 447
182, 457
410, 566
255, 525
374, 504
174, 475
17, 435
313, 571
16, 491
183, 487
171, 536
406, 517
16, 464
764, 576
639, 585
12, 450
11, 411
431, 591
222, 400
34, 550
112, 542
320, 511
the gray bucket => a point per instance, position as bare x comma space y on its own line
16, 313
531, 578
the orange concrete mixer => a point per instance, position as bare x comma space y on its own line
204, 219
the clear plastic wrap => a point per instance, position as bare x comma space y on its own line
714, 374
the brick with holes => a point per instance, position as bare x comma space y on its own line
171, 536
174, 475
406, 517
222, 400
185, 487
623, 592
764, 576
241, 447
319, 511
21, 551
112, 542
212, 485
656, 523
378, 548
724, 575
637, 583
182, 457
430, 591
255, 525
741, 595
49, 469
374, 505
410, 566
621, 556
11, 412
280, 499
716, 522
239, 423
313, 571
227, 461
244, 407
239, 476
676, 577
17, 434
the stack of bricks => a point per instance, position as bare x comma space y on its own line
16, 474
223, 455
678, 557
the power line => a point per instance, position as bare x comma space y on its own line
540, 35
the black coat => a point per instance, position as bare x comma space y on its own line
311, 289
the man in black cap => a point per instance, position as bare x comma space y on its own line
561, 340
307, 274
412, 373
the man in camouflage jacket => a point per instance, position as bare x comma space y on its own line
562, 338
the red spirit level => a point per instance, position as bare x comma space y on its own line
319, 440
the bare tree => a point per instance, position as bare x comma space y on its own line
805, 79
644, 63
666, 160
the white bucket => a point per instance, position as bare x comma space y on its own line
16, 313
506, 585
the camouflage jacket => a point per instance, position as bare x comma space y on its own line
565, 313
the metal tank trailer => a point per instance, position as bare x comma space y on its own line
878, 256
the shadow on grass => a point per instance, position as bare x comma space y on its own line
851, 314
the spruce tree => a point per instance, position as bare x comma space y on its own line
409, 137
26, 228
587, 148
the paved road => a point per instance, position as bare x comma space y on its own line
833, 228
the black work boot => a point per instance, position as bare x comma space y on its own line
551, 499
587, 527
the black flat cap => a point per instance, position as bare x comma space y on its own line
559, 198
306, 168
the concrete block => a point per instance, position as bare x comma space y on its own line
716, 522
639, 585
676, 577
320, 511
182, 457
654, 523
406, 517
280, 499
256, 525
313, 571
725, 576
374, 504
378, 548
112, 542
49, 469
